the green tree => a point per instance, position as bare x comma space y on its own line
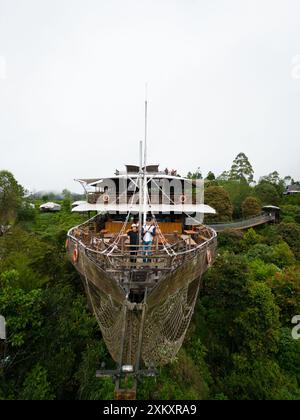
274, 179
258, 379
195, 175
67, 198
90, 387
251, 207
219, 199
21, 309
36, 385
210, 176
238, 192
289, 354
282, 255
241, 169
257, 326
224, 176
11, 194
267, 194
286, 289
290, 233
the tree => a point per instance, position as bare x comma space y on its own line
257, 327
36, 385
195, 175
11, 194
251, 207
274, 179
290, 233
238, 192
285, 287
258, 379
241, 169
210, 176
219, 199
289, 354
267, 194
288, 180
224, 176
67, 197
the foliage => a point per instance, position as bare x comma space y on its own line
289, 354
195, 175
251, 207
267, 194
90, 387
286, 289
241, 169
275, 180
231, 240
290, 211
258, 379
210, 176
239, 344
238, 192
11, 194
258, 324
282, 256
218, 198
290, 233
261, 271
36, 385
21, 309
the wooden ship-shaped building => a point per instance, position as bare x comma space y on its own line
157, 289
143, 297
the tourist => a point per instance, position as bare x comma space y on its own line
148, 232
133, 236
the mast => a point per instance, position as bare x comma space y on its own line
140, 192
145, 186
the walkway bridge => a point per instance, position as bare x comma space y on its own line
244, 223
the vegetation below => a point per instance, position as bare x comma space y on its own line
239, 345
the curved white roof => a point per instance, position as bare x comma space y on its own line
155, 208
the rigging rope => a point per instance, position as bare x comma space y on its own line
198, 222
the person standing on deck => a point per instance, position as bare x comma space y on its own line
148, 232
133, 236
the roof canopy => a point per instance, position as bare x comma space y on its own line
155, 208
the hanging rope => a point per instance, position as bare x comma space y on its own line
166, 195
163, 239
121, 232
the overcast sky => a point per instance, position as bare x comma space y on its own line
223, 77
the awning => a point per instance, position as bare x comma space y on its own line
155, 208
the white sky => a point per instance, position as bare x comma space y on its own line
223, 77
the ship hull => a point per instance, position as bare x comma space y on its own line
152, 331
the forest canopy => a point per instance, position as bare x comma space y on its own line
239, 345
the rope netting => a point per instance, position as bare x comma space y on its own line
167, 315
170, 300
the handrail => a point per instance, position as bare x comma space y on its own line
153, 255
244, 223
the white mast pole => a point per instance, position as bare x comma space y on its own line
140, 191
145, 188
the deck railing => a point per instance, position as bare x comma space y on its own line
120, 256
